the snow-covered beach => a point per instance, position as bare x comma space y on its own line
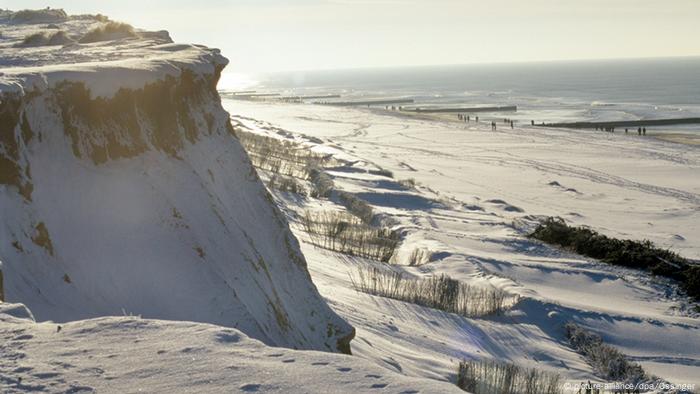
479, 193
159, 235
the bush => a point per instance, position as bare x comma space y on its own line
279, 156
409, 183
382, 172
607, 361
322, 183
46, 15
628, 253
356, 206
344, 233
108, 32
492, 377
44, 39
438, 292
419, 256
286, 184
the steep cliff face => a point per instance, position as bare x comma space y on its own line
123, 190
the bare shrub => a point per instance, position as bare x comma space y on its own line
438, 292
606, 360
278, 155
382, 172
344, 233
322, 183
44, 39
409, 183
109, 31
419, 256
492, 377
286, 184
356, 206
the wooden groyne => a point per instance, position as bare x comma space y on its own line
506, 108
320, 96
368, 102
624, 123
254, 95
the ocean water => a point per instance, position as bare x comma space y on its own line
544, 92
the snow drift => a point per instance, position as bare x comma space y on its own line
123, 190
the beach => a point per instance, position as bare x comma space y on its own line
478, 194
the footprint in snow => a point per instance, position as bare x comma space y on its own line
373, 376
275, 355
378, 386
320, 363
291, 360
344, 369
23, 337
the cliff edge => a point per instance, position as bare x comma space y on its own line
123, 189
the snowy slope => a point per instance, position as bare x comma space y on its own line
130, 355
478, 193
123, 191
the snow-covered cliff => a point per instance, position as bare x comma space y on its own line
123, 189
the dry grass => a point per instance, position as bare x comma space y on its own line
286, 184
344, 233
608, 362
438, 292
492, 377
45, 39
109, 31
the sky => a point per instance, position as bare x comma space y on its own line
273, 35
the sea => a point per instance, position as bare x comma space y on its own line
560, 91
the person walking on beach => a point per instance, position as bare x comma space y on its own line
639, 130
625, 130
511, 124
468, 118
644, 131
532, 122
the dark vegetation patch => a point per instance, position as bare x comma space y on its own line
356, 206
45, 39
12, 172
345, 233
286, 184
493, 377
628, 253
42, 238
608, 362
161, 115
109, 31
39, 16
438, 292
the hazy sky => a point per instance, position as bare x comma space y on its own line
272, 35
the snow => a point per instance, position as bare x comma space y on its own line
130, 355
104, 67
177, 272
169, 222
478, 194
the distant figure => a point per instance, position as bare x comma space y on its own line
532, 122
625, 130
400, 107
639, 130
477, 119
459, 116
511, 124
644, 131
468, 118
